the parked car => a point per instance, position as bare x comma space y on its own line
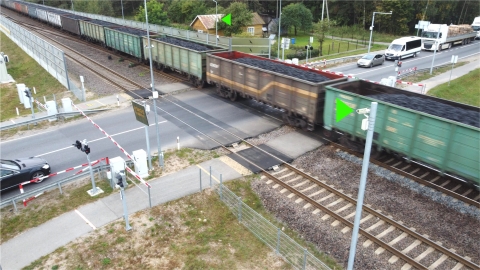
14, 172
371, 59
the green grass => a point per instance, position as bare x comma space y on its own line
195, 232
465, 89
24, 70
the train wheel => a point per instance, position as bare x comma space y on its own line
232, 95
200, 83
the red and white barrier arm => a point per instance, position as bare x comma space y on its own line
138, 177
60, 172
25, 201
410, 83
93, 163
114, 142
40, 104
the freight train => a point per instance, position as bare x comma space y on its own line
436, 132
185, 57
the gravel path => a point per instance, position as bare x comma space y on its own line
445, 224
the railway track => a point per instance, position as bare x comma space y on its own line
421, 174
117, 80
375, 227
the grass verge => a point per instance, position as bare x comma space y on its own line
195, 232
27, 71
464, 89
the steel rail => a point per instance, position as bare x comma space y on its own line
385, 218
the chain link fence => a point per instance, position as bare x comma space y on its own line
274, 237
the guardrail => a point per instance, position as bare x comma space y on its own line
44, 118
26, 195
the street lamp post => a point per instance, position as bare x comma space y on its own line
279, 33
154, 92
216, 20
371, 27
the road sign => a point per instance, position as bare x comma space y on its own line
140, 113
342, 109
227, 19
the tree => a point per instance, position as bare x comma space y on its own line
156, 15
241, 17
298, 16
319, 30
95, 7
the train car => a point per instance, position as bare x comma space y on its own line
299, 91
42, 14
32, 11
71, 23
23, 8
53, 17
93, 30
183, 56
125, 39
433, 131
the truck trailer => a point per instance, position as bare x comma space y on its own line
444, 36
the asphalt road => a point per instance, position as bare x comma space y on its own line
423, 60
206, 112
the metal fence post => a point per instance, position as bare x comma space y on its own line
149, 198
60, 187
304, 258
239, 208
200, 173
278, 241
221, 185
14, 206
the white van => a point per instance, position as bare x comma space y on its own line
404, 47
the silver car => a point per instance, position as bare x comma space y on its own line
371, 59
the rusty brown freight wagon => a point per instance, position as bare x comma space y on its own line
299, 91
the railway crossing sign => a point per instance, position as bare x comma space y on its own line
140, 113
342, 109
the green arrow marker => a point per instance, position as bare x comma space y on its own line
228, 19
342, 109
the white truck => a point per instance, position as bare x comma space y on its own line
476, 26
444, 36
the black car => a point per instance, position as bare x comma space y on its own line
14, 172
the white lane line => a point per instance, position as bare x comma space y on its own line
208, 173
85, 219
103, 138
12, 121
100, 102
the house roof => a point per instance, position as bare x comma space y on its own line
209, 20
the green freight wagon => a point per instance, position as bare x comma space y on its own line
449, 146
93, 30
126, 39
183, 56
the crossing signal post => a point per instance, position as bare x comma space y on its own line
28, 94
120, 183
83, 146
308, 47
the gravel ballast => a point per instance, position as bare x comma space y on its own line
442, 218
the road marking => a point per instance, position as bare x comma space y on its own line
85, 219
12, 121
116, 134
208, 173
100, 103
